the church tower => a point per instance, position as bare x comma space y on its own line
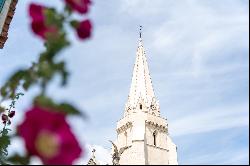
142, 129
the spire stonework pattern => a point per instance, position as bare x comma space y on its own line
141, 91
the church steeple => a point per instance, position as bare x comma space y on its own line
142, 131
141, 91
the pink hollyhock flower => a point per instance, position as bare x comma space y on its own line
38, 24
48, 136
84, 29
82, 6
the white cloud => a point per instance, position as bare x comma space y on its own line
221, 158
208, 120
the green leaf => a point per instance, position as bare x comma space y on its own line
68, 10
20, 160
4, 91
53, 46
9, 89
44, 101
74, 23
66, 108
53, 18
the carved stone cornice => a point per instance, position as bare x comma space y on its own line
124, 127
157, 127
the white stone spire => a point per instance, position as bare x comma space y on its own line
142, 131
141, 90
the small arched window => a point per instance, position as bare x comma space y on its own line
140, 106
154, 138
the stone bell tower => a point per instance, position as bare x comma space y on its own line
142, 129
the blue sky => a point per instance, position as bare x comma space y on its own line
198, 55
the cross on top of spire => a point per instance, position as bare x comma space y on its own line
141, 31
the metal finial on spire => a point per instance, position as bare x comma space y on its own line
141, 31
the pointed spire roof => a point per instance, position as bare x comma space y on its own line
141, 86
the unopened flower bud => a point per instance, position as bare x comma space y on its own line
12, 114
4, 117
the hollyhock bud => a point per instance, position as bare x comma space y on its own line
12, 114
4, 118
81, 6
84, 29
38, 23
48, 136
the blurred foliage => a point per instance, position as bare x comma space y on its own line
4, 143
40, 74
2, 109
19, 160
66, 108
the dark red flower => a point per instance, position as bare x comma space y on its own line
4, 118
84, 29
37, 11
38, 23
12, 114
82, 6
48, 136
